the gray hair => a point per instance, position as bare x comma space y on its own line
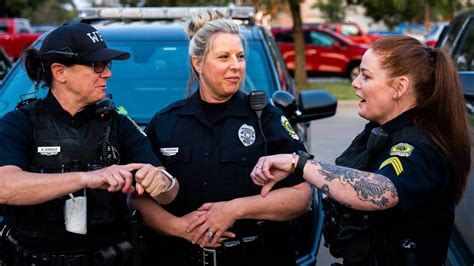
202, 29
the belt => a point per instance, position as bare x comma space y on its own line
233, 251
118, 254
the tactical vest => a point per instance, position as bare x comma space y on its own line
356, 236
57, 148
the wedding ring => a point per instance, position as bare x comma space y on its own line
210, 234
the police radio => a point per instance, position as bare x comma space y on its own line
258, 101
376, 140
104, 108
108, 154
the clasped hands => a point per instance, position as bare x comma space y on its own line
119, 177
208, 226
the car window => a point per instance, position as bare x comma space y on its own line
350, 30
454, 28
3, 27
320, 39
286, 37
154, 76
283, 75
465, 54
21, 27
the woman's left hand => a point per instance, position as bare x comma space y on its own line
213, 225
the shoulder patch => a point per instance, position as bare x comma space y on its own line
395, 163
136, 126
402, 150
287, 126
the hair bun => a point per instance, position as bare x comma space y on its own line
198, 20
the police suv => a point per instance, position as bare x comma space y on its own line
158, 70
458, 39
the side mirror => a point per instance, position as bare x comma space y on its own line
312, 105
316, 104
336, 45
467, 82
286, 102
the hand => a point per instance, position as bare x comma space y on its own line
151, 180
269, 170
184, 223
113, 178
218, 218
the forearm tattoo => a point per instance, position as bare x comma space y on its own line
368, 186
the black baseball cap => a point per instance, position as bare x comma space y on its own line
80, 43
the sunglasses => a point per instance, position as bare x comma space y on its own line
99, 67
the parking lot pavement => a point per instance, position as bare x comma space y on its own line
329, 138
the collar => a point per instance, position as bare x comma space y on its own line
403, 120
238, 105
79, 119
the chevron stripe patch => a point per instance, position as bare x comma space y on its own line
396, 164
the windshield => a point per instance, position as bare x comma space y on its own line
155, 76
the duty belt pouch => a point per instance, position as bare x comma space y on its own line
353, 249
104, 209
75, 214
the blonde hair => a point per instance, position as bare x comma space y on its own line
202, 29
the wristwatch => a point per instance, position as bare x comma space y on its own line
303, 158
170, 177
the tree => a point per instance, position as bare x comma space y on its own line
392, 12
18, 8
301, 77
332, 10
39, 11
54, 12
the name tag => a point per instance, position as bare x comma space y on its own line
49, 151
169, 151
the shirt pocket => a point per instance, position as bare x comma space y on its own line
235, 168
182, 156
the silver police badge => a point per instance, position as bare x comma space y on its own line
247, 135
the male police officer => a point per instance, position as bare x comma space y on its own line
66, 157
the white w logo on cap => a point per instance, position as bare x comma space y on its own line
95, 37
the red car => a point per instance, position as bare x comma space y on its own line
326, 51
16, 35
350, 30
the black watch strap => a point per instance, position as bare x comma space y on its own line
303, 158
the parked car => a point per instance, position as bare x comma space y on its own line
459, 41
435, 33
351, 30
326, 51
158, 70
414, 30
16, 35
42, 28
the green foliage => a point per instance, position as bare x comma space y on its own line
39, 11
392, 12
18, 8
333, 10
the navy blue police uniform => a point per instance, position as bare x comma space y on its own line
417, 229
38, 231
212, 149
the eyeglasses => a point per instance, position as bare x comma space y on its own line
99, 67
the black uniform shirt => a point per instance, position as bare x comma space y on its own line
420, 174
16, 135
213, 161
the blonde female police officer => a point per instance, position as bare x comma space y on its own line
61, 147
211, 141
